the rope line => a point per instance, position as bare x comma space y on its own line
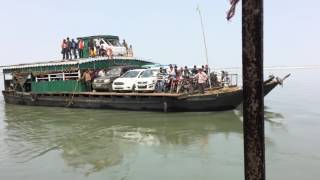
74, 91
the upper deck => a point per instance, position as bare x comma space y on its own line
84, 63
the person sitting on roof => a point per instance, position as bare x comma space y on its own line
97, 47
102, 51
91, 48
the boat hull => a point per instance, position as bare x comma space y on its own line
133, 101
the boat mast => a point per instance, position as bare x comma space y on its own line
205, 44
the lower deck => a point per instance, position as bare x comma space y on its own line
218, 99
212, 100
153, 94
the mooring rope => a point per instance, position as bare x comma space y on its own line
232, 9
74, 91
75, 87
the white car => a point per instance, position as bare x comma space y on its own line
147, 80
127, 82
114, 45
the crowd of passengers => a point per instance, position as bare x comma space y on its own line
168, 80
183, 77
71, 49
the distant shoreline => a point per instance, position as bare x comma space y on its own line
273, 67
266, 67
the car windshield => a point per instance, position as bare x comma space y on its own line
113, 42
114, 72
130, 74
149, 73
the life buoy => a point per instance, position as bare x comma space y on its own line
109, 52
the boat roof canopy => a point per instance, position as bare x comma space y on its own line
99, 36
92, 63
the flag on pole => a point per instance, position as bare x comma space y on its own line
232, 9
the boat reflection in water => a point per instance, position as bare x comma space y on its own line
92, 140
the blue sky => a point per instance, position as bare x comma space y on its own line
163, 31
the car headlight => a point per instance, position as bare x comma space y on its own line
106, 81
95, 80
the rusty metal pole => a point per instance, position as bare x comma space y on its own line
253, 105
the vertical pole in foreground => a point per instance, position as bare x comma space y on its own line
253, 106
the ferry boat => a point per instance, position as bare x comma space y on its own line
56, 83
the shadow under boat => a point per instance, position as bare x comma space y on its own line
100, 139
93, 140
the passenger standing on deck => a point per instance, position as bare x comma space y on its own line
206, 69
74, 49
160, 80
86, 76
180, 71
194, 71
171, 76
102, 73
186, 73
69, 48
130, 51
202, 79
124, 44
176, 70
174, 79
64, 49
80, 47
171, 72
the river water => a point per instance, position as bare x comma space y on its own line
39, 143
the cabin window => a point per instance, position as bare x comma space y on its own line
62, 76
8, 76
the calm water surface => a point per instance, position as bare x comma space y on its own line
58, 143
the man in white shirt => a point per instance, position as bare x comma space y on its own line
101, 73
202, 79
171, 72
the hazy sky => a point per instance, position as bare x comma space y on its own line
165, 31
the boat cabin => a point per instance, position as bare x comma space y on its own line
59, 76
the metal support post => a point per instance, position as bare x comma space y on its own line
253, 105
